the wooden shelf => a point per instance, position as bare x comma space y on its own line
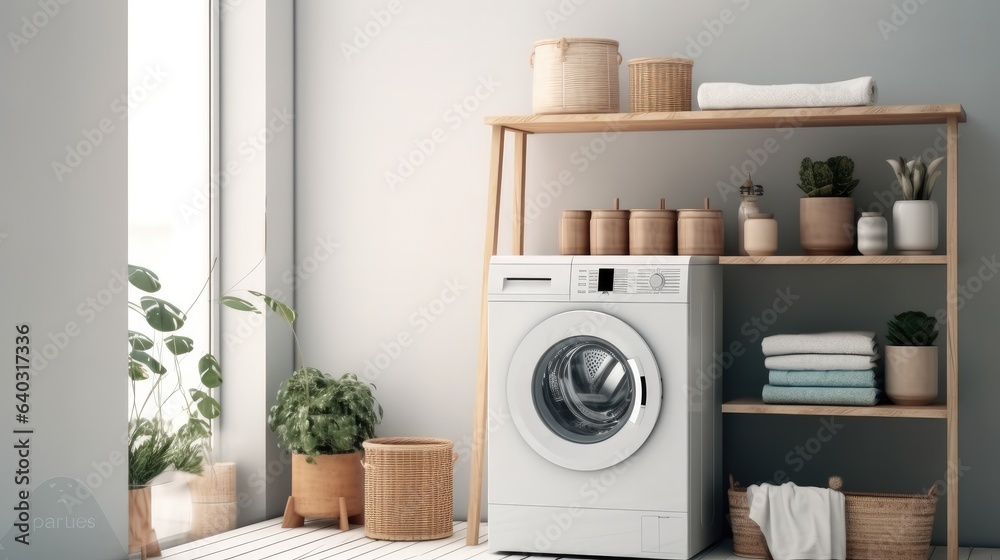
729, 120
757, 406
849, 259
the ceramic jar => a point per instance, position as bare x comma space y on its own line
915, 226
700, 231
652, 232
873, 234
761, 235
609, 231
574, 232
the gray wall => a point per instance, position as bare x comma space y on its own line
373, 84
63, 152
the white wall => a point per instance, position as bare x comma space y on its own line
63, 154
377, 80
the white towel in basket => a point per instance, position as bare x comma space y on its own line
800, 522
729, 95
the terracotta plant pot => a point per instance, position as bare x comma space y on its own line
333, 486
826, 225
911, 374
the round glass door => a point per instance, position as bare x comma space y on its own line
584, 390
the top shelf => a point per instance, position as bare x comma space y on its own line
727, 120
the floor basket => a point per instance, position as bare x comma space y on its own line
408, 488
659, 84
575, 76
879, 526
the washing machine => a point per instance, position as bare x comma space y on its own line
605, 423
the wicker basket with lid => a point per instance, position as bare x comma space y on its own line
659, 84
575, 76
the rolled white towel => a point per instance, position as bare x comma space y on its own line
847, 342
730, 95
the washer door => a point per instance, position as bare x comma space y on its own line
584, 401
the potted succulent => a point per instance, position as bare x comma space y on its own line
323, 421
826, 215
915, 218
911, 359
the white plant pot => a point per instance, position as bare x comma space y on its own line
911, 374
915, 226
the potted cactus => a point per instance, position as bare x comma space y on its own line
915, 218
826, 215
911, 359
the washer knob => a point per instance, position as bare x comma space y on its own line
656, 281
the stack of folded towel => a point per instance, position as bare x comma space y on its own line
835, 368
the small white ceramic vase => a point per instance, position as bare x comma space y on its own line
915, 226
873, 234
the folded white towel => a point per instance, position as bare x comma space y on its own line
729, 95
800, 522
859, 343
820, 361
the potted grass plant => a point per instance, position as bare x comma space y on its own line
915, 218
826, 214
911, 359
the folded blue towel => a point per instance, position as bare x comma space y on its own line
849, 396
829, 378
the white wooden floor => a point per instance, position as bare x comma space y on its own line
319, 540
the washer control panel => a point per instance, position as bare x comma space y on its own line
626, 280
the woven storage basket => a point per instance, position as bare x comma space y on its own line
879, 526
575, 76
659, 84
408, 488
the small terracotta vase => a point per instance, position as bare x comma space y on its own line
826, 225
911, 374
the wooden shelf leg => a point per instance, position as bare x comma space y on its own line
951, 366
517, 211
291, 519
479, 422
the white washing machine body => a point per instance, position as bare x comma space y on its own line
605, 424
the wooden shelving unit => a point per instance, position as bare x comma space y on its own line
947, 114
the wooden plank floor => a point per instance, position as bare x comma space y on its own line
321, 540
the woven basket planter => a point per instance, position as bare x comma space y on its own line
659, 84
575, 76
879, 526
409, 492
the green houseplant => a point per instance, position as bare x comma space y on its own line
826, 214
915, 218
323, 421
911, 359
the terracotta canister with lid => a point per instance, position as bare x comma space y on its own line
574, 232
652, 232
609, 231
700, 231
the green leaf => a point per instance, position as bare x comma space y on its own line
139, 341
162, 315
283, 311
210, 370
178, 344
148, 361
136, 372
143, 278
238, 304
207, 406
194, 429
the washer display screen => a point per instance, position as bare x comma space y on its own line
583, 389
